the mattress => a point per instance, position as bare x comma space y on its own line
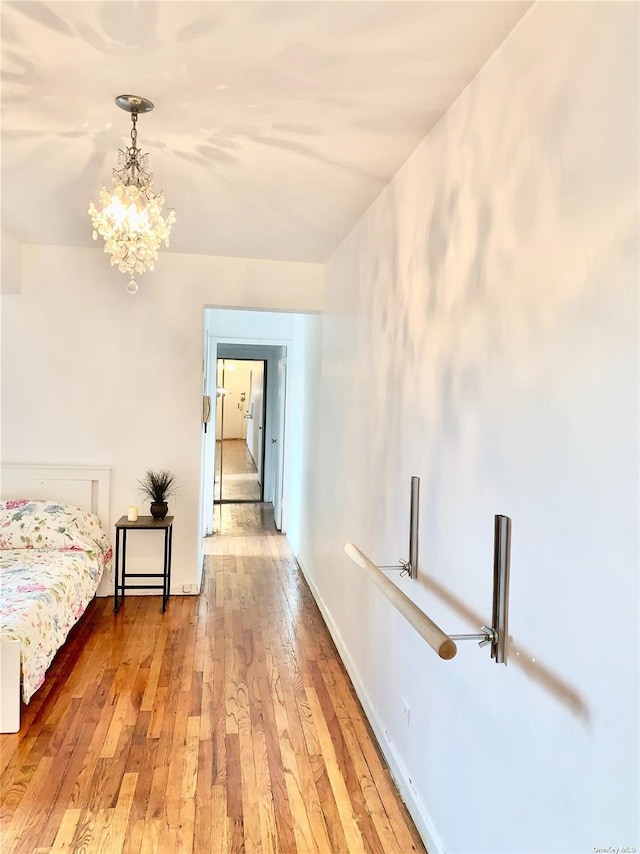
47, 582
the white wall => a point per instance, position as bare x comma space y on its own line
302, 444
93, 375
481, 332
10, 263
218, 400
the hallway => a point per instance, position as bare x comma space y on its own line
228, 725
240, 480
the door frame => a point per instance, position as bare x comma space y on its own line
281, 403
253, 348
262, 427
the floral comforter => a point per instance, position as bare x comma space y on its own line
52, 557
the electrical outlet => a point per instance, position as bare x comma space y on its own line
406, 712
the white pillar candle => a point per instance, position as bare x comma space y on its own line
132, 515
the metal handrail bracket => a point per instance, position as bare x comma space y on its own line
445, 645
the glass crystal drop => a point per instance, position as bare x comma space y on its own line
132, 287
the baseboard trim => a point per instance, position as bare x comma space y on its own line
411, 799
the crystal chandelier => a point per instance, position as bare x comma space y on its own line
131, 218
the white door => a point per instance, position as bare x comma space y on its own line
279, 438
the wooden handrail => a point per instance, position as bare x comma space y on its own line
434, 636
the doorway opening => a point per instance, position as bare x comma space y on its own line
241, 396
246, 450
290, 345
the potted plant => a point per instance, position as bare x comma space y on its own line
158, 486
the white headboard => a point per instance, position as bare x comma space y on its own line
85, 486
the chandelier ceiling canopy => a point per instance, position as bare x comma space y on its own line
130, 217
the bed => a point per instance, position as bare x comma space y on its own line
53, 554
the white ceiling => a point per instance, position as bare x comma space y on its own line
276, 123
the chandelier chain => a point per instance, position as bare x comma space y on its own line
134, 151
134, 131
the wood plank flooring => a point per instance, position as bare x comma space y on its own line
239, 474
235, 457
227, 725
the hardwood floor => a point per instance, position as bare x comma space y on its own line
226, 725
235, 456
239, 474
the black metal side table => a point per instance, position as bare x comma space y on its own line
143, 523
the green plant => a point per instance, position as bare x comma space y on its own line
158, 485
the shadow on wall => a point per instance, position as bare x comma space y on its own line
520, 657
481, 289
